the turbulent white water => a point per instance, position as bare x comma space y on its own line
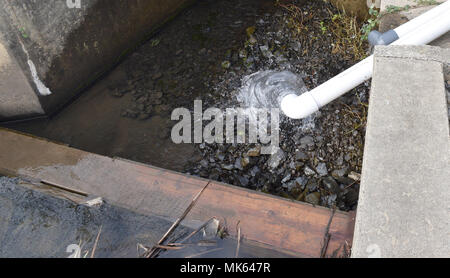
266, 89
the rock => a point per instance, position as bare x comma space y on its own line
243, 181
347, 157
255, 170
322, 169
245, 161
312, 186
289, 186
313, 198
299, 166
339, 172
276, 158
302, 156
204, 163
351, 197
265, 51
354, 176
340, 160
308, 171
306, 141
238, 164
344, 180
330, 184
256, 151
301, 182
243, 54
228, 167
286, 178
226, 64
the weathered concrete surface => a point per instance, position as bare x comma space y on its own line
402, 3
393, 20
16, 95
354, 7
403, 208
61, 50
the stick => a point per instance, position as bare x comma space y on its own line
239, 238
155, 250
327, 236
96, 242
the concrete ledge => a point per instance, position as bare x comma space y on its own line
403, 209
61, 50
425, 53
17, 97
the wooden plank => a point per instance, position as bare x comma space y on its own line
291, 227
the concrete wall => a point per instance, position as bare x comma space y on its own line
61, 50
355, 7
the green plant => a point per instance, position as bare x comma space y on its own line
395, 9
371, 23
323, 27
23, 32
426, 2
347, 39
154, 42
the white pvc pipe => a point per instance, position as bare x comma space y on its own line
416, 22
298, 107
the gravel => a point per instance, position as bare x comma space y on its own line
205, 54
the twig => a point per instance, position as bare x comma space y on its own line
96, 242
198, 230
170, 247
239, 238
327, 236
155, 250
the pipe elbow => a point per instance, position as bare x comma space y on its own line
377, 38
299, 107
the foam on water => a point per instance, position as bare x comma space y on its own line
266, 89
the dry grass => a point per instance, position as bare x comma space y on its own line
298, 20
345, 29
358, 115
348, 41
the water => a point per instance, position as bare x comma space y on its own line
266, 89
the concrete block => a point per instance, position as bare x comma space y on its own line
17, 97
62, 49
404, 206
402, 3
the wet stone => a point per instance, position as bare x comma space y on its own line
302, 156
322, 169
276, 158
309, 172
313, 198
330, 184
